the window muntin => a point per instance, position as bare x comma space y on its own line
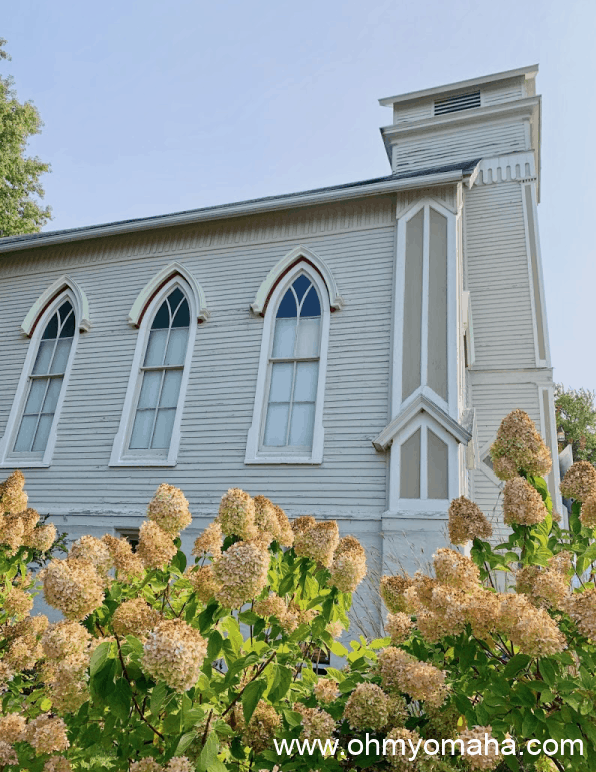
294, 369
161, 376
46, 381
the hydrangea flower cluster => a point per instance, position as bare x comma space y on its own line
47, 734
262, 727
318, 542
402, 672
68, 647
169, 510
348, 568
127, 563
545, 587
587, 514
95, 551
73, 586
316, 723
367, 707
398, 626
474, 747
241, 573
467, 522
393, 589
174, 653
237, 514
156, 547
581, 607
519, 447
203, 582
522, 504
326, 690
209, 542
531, 629
579, 482
456, 570
134, 617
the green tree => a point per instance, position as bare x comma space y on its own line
20, 211
576, 418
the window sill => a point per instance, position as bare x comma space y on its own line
22, 463
163, 462
283, 459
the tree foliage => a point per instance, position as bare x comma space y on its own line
20, 188
576, 417
164, 667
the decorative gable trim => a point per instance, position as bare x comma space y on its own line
152, 287
275, 275
462, 432
52, 292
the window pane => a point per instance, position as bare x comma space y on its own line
301, 426
283, 339
287, 308
141, 431
68, 329
163, 428
308, 337
43, 432
412, 332
51, 330
311, 305
156, 348
61, 355
276, 425
150, 389
305, 389
281, 382
49, 405
410, 467
44, 356
170, 389
301, 284
177, 346
36, 393
437, 465
25, 435
162, 317
182, 317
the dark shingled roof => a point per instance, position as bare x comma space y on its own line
463, 166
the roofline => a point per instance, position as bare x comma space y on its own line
243, 208
528, 72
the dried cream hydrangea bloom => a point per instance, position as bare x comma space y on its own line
367, 707
286, 534
398, 761
126, 562
237, 514
47, 734
13, 498
420, 680
7, 754
482, 612
67, 646
18, 603
265, 520
456, 570
12, 533
531, 629
349, 565
579, 482
467, 522
156, 547
241, 573
12, 727
180, 764
41, 538
519, 447
326, 690
522, 504
174, 653
398, 626
316, 723
474, 747
57, 764
95, 551
209, 542
546, 588
392, 591
581, 607
262, 727
335, 629
272, 606
65, 639
169, 509
318, 543
134, 617
588, 512
73, 586
203, 582
562, 562
303, 523
146, 765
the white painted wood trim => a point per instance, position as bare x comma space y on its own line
254, 454
79, 301
20, 460
120, 455
153, 286
549, 391
335, 299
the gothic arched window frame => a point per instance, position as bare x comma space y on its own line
256, 451
155, 293
35, 326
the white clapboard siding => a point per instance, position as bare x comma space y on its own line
413, 112
497, 277
458, 144
357, 243
504, 91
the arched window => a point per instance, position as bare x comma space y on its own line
149, 432
288, 414
32, 426
294, 368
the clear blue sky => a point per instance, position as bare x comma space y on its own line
152, 107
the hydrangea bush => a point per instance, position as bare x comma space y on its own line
160, 666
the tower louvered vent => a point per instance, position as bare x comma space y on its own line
456, 103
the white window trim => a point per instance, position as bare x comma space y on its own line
36, 325
451, 406
254, 454
121, 455
397, 504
